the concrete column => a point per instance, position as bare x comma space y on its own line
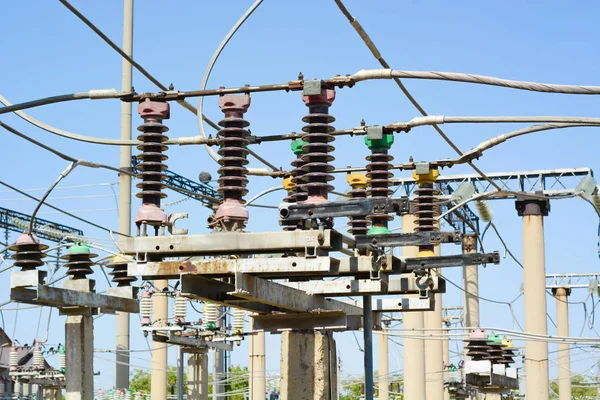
79, 346
564, 359
57, 394
414, 349
197, 379
471, 283
26, 389
446, 362
434, 350
308, 366
122, 339
257, 364
158, 390
49, 394
219, 365
384, 368
534, 288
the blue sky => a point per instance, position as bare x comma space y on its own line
47, 51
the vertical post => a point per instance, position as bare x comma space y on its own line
384, 370
414, 349
446, 362
471, 283
534, 288
180, 367
197, 379
122, 345
368, 346
79, 375
434, 351
158, 389
257, 364
219, 364
562, 327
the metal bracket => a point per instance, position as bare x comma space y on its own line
325, 320
422, 168
187, 341
312, 87
172, 219
406, 239
456, 260
289, 214
375, 132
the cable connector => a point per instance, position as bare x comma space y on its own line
97, 94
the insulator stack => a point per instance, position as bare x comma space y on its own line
152, 165
38, 358
232, 214
62, 358
146, 307
317, 150
509, 352
485, 210
180, 309
119, 272
495, 352
359, 225
79, 261
378, 174
426, 207
100, 394
127, 395
138, 396
238, 321
28, 252
477, 345
297, 193
13, 359
211, 314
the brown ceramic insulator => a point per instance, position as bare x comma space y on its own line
79, 266
427, 210
119, 274
379, 182
28, 252
298, 193
359, 225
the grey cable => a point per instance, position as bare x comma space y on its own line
472, 78
92, 94
210, 66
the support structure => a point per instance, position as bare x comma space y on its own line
414, 349
219, 365
257, 364
434, 351
197, 377
384, 367
308, 366
79, 338
123, 323
534, 288
158, 389
564, 358
471, 283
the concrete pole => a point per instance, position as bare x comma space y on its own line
414, 349
79, 339
446, 362
219, 365
471, 283
158, 390
534, 288
122, 345
197, 379
434, 351
562, 327
384, 367
368, 346
257, 364
308, 366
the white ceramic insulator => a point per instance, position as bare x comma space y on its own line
2, 388
38, 359
127, 395
146, 307
485, 210
238, 319
596, 200
180, 308
210, 313
62, 361
13, 359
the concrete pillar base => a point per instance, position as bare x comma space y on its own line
308, 366
79, 376
197, 379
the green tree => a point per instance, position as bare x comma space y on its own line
353, 390
579, 390
140, 381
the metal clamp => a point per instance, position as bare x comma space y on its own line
456, 260
406, 239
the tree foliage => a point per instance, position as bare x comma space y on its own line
579, 389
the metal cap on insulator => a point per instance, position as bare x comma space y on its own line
79, 261
28, 252
119, 271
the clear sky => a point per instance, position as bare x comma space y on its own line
48, 51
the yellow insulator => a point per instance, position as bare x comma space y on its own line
357, 180
428, 178
288, 184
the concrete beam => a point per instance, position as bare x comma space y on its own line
349, 287
57, 297
226, 243
324, 320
